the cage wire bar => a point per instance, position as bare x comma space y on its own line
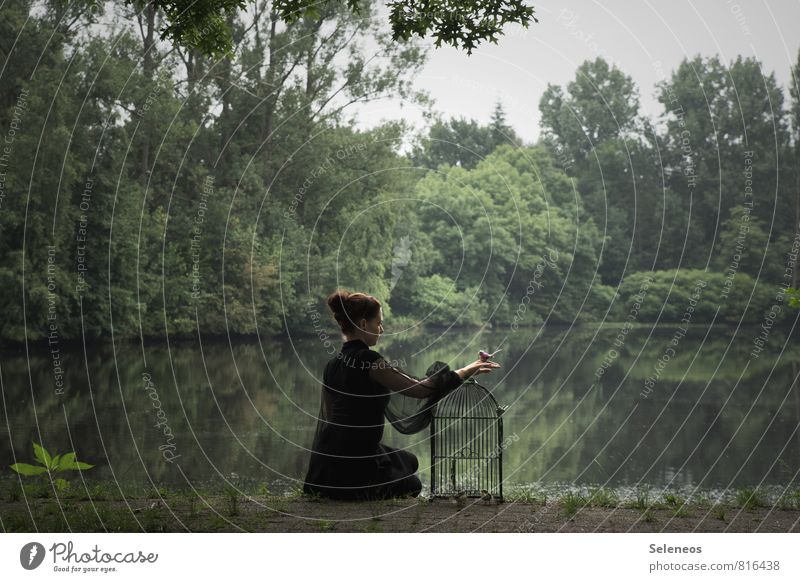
466, 437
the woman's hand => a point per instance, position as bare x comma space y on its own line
477, 367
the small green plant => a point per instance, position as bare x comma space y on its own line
49, 465
372, 526
789, 500
750, 498
602, 497
232, 495
572, 502
703, 500
191, 497
793, 296
647, 516
682, 511
325, 524
719, 512
672, 499
527, 495
642, 500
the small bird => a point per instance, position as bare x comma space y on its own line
485, 495
460, 497
486, 355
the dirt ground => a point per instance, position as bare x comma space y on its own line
448, 516
269, 514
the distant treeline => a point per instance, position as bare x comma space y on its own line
148, 189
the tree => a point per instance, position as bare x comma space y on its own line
719, 123
602, 103
499, 130
206, 25
462, 142
794, 92
590, 130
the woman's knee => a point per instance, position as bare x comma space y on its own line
410, 461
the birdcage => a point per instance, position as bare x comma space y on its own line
466, 444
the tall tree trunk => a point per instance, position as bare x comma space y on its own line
148, 68
271, 99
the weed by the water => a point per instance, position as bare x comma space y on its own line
682, 511
789, 500
719, 512
232, 497
750, 498
703, 500
642, 501
526, 495
602, 497
572, 502
325, 524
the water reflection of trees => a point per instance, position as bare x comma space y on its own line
234, 410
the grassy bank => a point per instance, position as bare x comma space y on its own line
104, 506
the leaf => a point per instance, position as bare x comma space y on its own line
42, 455
55, 464
67, 462
62, 484
26, 469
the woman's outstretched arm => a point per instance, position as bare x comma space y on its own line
398, 381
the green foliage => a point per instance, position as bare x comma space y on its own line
229, 194
750, 498
460, 23
601, 104
793, 297
207, 25
603, 497
461, 142
572, 502
49, 464
642, 502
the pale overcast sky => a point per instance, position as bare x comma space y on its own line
635, 35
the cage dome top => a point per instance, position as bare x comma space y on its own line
468, 400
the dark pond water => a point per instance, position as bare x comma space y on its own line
705, 413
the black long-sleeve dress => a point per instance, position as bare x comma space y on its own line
348, 461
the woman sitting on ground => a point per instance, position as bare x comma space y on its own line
348, 461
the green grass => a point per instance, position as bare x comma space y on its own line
572, 502
232, 497
703, 501
325, 524
750, 498
719, 512
682, 511
526, 495
789, 500
372, 526
602, 497
213, 506
642, 502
